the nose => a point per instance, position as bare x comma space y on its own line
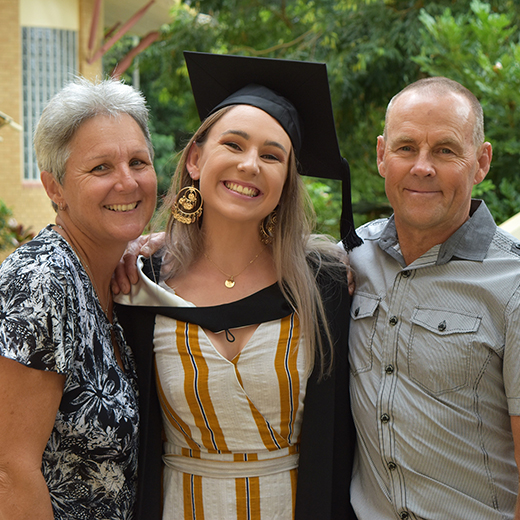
126, 181
250, 162
423, 165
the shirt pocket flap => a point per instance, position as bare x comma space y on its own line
445, 322
363, 306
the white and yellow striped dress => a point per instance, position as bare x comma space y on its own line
232, 427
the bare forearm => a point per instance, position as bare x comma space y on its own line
24, 498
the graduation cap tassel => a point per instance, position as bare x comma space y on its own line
349, 237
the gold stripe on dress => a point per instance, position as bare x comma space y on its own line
270, 437
193, 500
248, 498
196, 388
294, 479
288, 377
172, 417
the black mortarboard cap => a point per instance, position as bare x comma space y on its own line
295, 93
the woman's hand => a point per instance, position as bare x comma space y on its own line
126, 273
351, 278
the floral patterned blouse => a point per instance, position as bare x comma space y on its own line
51, 319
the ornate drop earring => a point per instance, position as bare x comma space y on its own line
188, 205
267, 228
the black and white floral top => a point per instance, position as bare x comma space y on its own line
51, 319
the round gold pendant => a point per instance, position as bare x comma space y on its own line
229, 283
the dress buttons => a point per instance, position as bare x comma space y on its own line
404, 515
392, 466
389, 369
442, 326
385, 418
393, 320
406, 274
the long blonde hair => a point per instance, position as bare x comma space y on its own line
298, 255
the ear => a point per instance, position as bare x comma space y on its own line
484, 156
381, 155
192, 163
53, 188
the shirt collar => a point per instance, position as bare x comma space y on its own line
470, 242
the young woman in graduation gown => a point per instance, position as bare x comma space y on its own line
240, 324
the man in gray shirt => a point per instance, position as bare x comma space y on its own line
435, 329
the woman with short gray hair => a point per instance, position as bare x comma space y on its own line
69, 417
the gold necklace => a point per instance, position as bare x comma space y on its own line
230, 278
91, 276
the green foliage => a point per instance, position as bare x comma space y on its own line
5, 234
326, 199
12, 234
373, 48
481, 50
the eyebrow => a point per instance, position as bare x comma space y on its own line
102, 157
452, 143
404, 139
245, 135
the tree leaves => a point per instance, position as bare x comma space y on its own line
373, 48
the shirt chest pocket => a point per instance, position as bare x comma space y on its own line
363, 314
440, 349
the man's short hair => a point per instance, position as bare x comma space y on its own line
439, 85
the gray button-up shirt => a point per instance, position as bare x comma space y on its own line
435, 360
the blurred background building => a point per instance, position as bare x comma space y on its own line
44, 44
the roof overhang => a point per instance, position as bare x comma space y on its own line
118, 11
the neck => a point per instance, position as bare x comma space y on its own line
235, 258
415, 243
98, 261
232, 245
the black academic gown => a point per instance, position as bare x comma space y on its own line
327, 436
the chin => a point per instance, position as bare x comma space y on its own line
127, 234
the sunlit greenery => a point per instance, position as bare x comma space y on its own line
372, 48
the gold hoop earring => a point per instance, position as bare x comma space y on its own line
267, 228
188, 205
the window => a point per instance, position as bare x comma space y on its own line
49, 60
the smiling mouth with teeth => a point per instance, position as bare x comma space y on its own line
243, 190
122, 207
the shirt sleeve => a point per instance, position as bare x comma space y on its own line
35, 321
511, 365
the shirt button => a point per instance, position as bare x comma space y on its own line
385, 418
356, 312
442, 326
406, 274
389, 369
393, 320
392, 466
404, 515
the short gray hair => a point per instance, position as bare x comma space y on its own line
439, 85
79, 101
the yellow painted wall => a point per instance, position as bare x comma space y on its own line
55, 14
28, 200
